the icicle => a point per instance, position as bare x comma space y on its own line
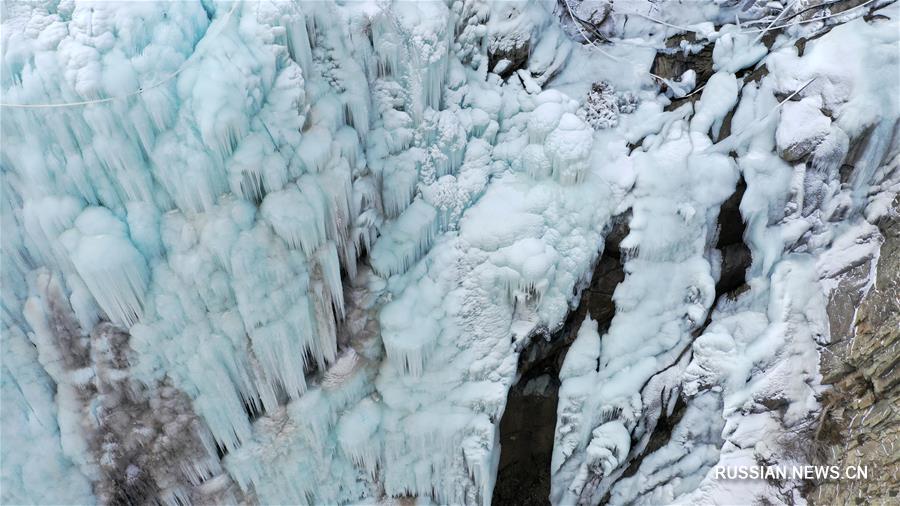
481, 455
389, 46
182, 164
535, 162
256, 169
226, 420
113, 270
294, 220
44, 221
365, 195
435, 74
399, 182
278, 349
314, 417
315, 149
298, 42
126, 165
357, 434
317, 199
348, 145
365, 233
328, 267
409, 335
357, 105
432, 441
338, 188
321, 309
409, 352
543, 120
568, 148
404, 241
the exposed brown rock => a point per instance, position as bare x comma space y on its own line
860, 422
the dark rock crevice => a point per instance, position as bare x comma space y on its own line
661, 435
735, 253
529, 421
672, 405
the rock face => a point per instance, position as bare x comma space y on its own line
526, 429
860, 422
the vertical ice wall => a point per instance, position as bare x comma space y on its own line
186, 208
668, 288
155, 181
674, 391
825, 217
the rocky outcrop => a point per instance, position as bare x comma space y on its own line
526, 429
860, 421
143, 444
527, 426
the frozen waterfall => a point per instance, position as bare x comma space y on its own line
294, 252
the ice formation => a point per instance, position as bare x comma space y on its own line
290, 252
748, 376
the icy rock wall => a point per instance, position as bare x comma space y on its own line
328, 229
202, 178
741, 383
668, 288
858, 417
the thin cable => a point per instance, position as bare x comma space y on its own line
139, 91
801, 11
763, 33
813, 20
64, 104
589, 41
763, 30
659, 21
697, 90
726, 142
792, 95
584, 35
